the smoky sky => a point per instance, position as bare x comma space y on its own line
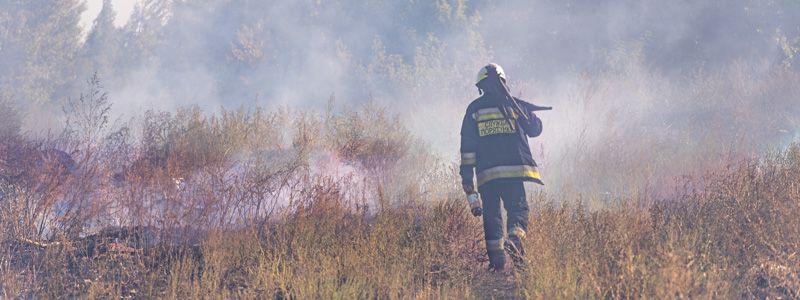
545, 38
419, 59
310, 50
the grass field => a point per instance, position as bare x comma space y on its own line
288, 204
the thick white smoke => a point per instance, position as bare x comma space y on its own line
641, 89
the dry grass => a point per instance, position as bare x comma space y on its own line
300, 205
244, 204
630, 129
735, 236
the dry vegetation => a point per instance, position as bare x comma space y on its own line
630, 128
348, 204
735, 236
244, 203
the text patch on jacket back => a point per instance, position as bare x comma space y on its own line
491, 121
495, 127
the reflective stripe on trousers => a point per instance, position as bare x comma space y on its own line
494, 245
500, 172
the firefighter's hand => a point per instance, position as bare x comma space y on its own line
477, 211
468, 188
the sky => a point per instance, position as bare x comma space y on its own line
122, 7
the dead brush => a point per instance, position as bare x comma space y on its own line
322, 248
249, 218
256, 216
735, 237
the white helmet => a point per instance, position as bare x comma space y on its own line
489, 69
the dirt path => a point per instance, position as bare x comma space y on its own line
490, 285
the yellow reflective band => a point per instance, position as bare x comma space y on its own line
490, 113
468, 158
517, 232
523, 171
486, 117
494, 245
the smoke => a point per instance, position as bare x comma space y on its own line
123, 9
642, 90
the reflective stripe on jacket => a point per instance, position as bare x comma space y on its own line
496, 146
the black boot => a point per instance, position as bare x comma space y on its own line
514, 247
497, 260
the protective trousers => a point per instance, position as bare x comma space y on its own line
512, 194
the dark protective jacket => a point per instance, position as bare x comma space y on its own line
496, 147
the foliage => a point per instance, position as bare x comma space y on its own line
38, 44
11, 121
350, 202
257, 213
734, 235
103, 49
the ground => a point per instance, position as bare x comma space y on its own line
496, 285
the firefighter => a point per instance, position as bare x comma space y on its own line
494, 145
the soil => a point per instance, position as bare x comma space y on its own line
496, 285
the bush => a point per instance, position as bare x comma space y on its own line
734, 235
255, 204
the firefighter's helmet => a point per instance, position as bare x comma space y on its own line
490, 70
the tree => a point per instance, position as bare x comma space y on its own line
103, 45
38, 43
142, 33
9, 120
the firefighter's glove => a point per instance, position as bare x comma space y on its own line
475, 204
477, 211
